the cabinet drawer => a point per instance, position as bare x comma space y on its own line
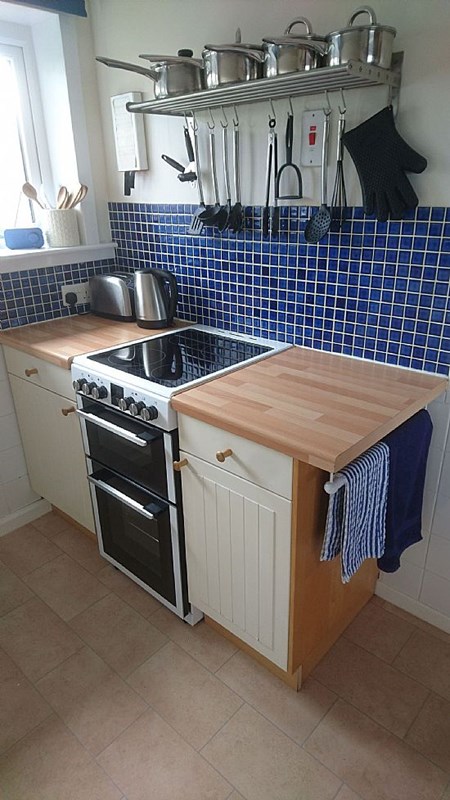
253, 462
48, 376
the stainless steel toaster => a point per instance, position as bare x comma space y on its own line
112, 296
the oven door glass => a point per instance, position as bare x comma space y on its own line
135, 530
127, 446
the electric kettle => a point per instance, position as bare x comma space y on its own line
156, 296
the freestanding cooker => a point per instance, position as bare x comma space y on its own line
131, 443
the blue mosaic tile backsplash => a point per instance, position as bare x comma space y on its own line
376, 290
35, 295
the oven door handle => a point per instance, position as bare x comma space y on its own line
116, 429
123, 498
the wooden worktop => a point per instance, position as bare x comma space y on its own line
60, 340
320, 408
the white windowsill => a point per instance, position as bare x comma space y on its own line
18, 260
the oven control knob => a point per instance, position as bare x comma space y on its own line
125, 403
88, 387
99, 392
136, 408
78, 384
148, 413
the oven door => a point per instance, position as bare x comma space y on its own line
138, 533
139, 451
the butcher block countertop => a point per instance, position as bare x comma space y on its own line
319, 408
60, 340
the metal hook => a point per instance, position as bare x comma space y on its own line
342, 110
327, 111
291, 110
272, 118
211, 127
224, 124
194, 122
235, 118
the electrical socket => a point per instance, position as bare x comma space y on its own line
80, 289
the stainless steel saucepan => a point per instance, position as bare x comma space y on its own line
172, 75
371, 44
232, 63
293, 52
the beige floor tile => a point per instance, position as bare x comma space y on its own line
129, 591
262, 763
77, 675
430, 732
446, 795
235, 796
379, 632
296, 713
185, 694
13, 591
65, 586
373, 762
81, 548
150, 760
121, 636
418, 623
50, 764
427, 659
50, 524
21, 707
347, 794
25, 549
101, 714
385, 694
36, 638
200, 641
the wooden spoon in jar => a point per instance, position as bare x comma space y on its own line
31, 192
61, 197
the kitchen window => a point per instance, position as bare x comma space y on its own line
19, 157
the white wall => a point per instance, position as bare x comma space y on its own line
124, 30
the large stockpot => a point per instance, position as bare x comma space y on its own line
232, 63
293, 52
173, 75
371, 44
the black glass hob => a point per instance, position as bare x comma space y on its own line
178, 358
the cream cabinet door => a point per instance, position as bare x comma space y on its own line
238, 555
53, 449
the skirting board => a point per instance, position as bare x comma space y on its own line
24, 516
420, 610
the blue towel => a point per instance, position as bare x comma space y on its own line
356, 520
408, 452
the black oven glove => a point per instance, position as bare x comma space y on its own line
381, 158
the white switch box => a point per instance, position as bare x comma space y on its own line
312, 138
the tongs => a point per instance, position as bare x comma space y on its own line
271, 172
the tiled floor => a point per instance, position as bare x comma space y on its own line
106, 695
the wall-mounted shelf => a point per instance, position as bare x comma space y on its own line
352, 75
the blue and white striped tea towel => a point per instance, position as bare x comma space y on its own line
356, 520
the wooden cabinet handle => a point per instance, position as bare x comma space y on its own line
66, 411
178, 465
30, 372
221, 455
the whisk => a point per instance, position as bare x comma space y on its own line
339, 209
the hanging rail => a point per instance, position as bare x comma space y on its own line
352, 75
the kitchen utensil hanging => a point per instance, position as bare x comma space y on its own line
215, 213
223, 223
236, 219
319, 224
288, 164
339, 210
271, 172
196, 226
